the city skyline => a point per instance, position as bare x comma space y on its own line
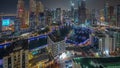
7, 6
60, 34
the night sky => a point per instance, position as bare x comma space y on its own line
10, 6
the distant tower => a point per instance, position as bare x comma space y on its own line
78, 4
38, 5
0, 24
118, 15
83, 11
21, 12
93, 17
72, 8
32, 6
106, 10
32, 14
17, 25
39, 13
27, 17
111, 16
110, 11
58, 15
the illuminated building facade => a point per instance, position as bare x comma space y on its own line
52, 15
82, 11
76, 15
32, 6
58, 15
25, 53
21, 12
38, 9
117, 38
32, 14
39, 13
27, 18
49, 17
38, 53
72, 8
93, 19
14, 54
36, 16
102, 18
110, 11
118, 15
88, 13
0, 24
109, 42
17, 25
111, 16
56, 48
106, 11
7, 21
32, 21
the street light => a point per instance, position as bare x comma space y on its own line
63, 56
72, 4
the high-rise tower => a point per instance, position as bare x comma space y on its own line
111, 15
106, 11
83, 3
72, 8
32, 14
78, 3
118, 15
32, 6
0, 24
17, 25
39, 12
21, 12
82, 11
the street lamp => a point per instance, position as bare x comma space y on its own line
72, 4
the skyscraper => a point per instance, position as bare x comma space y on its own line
27, 17
118, 15
39, 13
32, 14
83, 3
21, 12
110, 11
38, 9
58, 15
111, 16
14, 54
93, 19
36, 13
0, 24
82, 11
17, 25
116, 35
106, 12
32, 6
48, 17
72, 8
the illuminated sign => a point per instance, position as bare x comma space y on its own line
4, 45
35, 52
5, 22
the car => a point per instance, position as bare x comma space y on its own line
68, 61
